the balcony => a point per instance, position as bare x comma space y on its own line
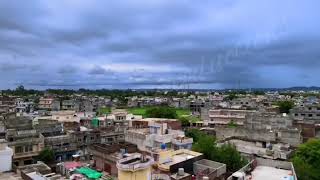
25, 154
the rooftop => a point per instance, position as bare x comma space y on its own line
135, 162
169, 158
270, 173
39, 167
10, 176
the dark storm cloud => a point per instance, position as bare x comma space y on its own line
67, 69
140, 43
97, 70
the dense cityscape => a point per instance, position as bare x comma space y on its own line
159, 90
159, 134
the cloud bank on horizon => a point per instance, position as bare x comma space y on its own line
159, 43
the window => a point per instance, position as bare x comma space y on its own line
27, 162
310, 115
18, 149
28, 148
303, 114
295, 114
310, 108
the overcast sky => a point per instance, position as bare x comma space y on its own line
159, 43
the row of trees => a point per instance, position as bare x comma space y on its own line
226, 153
161, 112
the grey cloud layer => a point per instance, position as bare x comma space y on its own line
209, 44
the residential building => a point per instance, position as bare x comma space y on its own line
106, 156
25, 141
207, 168
306, 117
71, 105
38, 171
196, 105
49, 104
260, 168
169, 161
154, 137
7, 105
23, 106
6, 154
135, 167
223, 117
111, 135
181, 142
63, 145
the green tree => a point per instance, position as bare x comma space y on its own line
285, 106
195, 134
206, 145
184, 121
306, 160
229, 155
161, 112
231, 96
46, 155
226, 153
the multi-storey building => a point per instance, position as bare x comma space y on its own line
72, 105
7, 104
223, 117
25, 141
26, 144
155, 137
106, 156
196, 105
135, 167
307, 118
23, 106
49, 104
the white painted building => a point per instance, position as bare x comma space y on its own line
6, 154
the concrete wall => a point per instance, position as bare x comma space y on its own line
100, 164
258, 135
274, 163
6, 159
143, 174
292, 137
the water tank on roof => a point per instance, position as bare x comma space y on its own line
163, 146
181, 172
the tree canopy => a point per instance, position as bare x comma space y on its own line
46, 155
306, 160
184, 121
161, 112
226, 153
285, 106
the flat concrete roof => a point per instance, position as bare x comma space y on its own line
270, 173
10, 176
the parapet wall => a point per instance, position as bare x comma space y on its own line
261, 135
291, 137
